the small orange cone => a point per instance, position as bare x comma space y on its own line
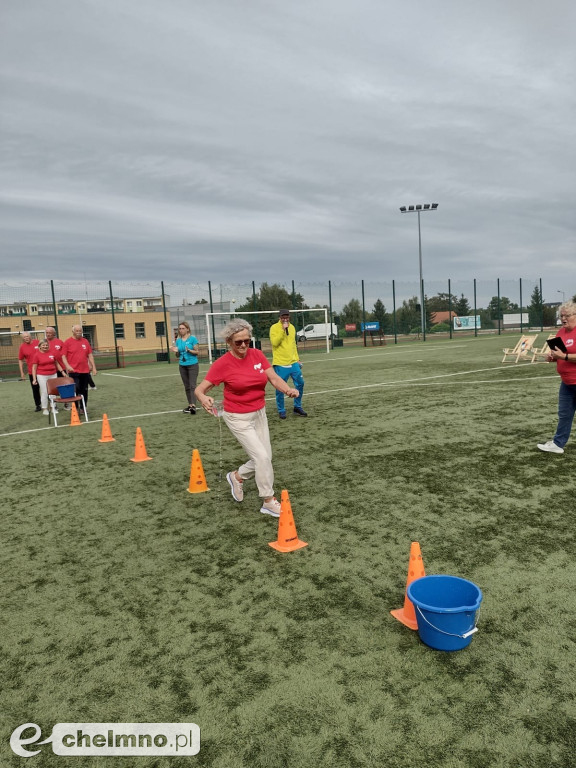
140, 450
106, 431
288, 539
197, 478
74, 418
407, 614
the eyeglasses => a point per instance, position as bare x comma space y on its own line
242, 342
565, 317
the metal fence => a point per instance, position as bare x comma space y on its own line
131, 322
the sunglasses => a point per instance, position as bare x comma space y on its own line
242, 342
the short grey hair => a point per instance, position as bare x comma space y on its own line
234, 326
568, 308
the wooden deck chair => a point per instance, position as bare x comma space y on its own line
521, 350
538, 355
54, 396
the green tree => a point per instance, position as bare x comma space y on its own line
269, 297
408, 316
505, 306
462, 307
351, 312
535, 307
384, 318
441, 302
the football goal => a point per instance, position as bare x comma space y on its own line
303, 319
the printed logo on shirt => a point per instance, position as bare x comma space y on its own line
258, 367
569, 342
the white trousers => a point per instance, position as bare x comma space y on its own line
251, 431
44, 388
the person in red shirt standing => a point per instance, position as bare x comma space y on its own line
56, 344
78, 360
245, 371
45, 364
566, 367
26, 352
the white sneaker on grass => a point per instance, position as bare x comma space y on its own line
271, 507
550, 447
235, 486
46, 413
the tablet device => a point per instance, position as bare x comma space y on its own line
557, 343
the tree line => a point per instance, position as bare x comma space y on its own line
408, 317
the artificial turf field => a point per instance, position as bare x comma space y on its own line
127, 599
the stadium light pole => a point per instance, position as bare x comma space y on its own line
563, 295
418, 209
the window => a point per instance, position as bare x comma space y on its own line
5, 337
119, 331
140, 329
160, 328
27, 325
138, 303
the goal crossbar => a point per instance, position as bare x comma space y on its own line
272, 312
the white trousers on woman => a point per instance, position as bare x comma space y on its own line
251, 431
44, 388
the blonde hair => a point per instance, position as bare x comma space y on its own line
234, 326
185, 324
568, 308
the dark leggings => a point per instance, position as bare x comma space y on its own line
189, 375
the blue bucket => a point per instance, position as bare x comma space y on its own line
66, 390
445, 609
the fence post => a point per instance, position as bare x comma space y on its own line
166, 331
475, 312
394, 327
114, 324
363, 315
450, 323
55, 309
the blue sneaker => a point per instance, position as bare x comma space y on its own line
300, 412
282, 414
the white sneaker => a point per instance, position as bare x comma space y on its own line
271, 507
47, 413
235, 486
550, 447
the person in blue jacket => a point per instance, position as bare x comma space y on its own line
186, 350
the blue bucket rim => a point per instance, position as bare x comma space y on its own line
437, 609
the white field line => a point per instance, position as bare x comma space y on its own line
423, 381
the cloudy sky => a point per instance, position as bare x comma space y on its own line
239, 140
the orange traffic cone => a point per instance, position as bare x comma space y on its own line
74, 418
197, 478
140, 450
407, 614
288, 539
106, 431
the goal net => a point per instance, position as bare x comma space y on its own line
310, 324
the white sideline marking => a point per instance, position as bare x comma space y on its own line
424, 381
122, 376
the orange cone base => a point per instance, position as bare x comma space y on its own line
399, 614
107, 440
293, 545
148, 458
199, 490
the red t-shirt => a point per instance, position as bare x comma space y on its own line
26, 352
77, 351
567, 370
46, 362
56, 346
244, 380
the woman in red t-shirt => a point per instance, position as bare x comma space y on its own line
245, 371
566, 367
44, 366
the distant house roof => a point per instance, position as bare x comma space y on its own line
443, 317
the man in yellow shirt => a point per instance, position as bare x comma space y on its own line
286, 361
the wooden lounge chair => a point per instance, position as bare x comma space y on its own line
538, 355
521, 350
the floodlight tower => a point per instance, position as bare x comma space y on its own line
418, 209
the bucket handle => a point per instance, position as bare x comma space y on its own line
462, 637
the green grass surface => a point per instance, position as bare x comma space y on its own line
127, 599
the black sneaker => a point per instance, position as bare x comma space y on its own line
38, 408
282, 414
300, 412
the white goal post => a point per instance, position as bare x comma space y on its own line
14, 338
215, 322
